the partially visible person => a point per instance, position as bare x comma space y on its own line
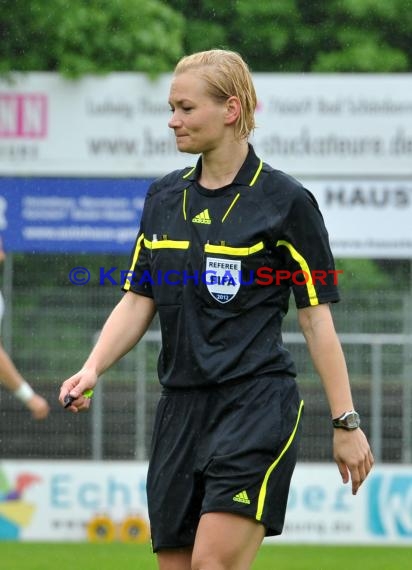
11, 378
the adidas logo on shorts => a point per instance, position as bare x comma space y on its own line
242, 497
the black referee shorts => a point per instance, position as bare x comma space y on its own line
230, 448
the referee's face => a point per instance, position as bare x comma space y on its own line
198, 120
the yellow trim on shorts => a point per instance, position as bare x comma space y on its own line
263, 489
313, 297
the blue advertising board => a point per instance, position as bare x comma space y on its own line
70, 215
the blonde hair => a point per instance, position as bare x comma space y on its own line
226, 75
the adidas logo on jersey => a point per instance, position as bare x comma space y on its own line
242, 497
202, 218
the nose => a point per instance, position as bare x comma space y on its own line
174, 121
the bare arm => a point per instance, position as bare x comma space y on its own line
2, 252
11, 378
351, 449
123, 329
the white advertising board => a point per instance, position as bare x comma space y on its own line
54, 501
307, 124
366, 218
322, 510
347, 137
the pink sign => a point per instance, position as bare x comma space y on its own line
23, 116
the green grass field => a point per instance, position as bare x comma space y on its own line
84, 556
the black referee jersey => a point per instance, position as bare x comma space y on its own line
220, 266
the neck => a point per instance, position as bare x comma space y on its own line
220, 166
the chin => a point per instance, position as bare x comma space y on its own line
187, 148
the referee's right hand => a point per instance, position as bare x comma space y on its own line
76, 387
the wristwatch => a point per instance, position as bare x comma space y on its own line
348, 420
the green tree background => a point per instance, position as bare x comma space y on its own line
80, 37
98, 36
76, 37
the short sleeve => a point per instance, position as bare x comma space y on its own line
138, 277
307, 253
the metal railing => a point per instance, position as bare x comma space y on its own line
376, 343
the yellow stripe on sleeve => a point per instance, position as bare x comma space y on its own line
128, 283
313, 297
263, 489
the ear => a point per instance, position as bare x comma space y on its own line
233, 110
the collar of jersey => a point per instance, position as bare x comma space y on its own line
246, 176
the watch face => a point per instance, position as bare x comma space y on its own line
352, 420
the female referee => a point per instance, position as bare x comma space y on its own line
220, 248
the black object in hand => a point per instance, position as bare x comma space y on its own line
68, 400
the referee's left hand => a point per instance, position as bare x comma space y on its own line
353, 456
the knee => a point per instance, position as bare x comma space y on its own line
209, 562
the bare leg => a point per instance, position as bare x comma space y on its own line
226, 541
175, 559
